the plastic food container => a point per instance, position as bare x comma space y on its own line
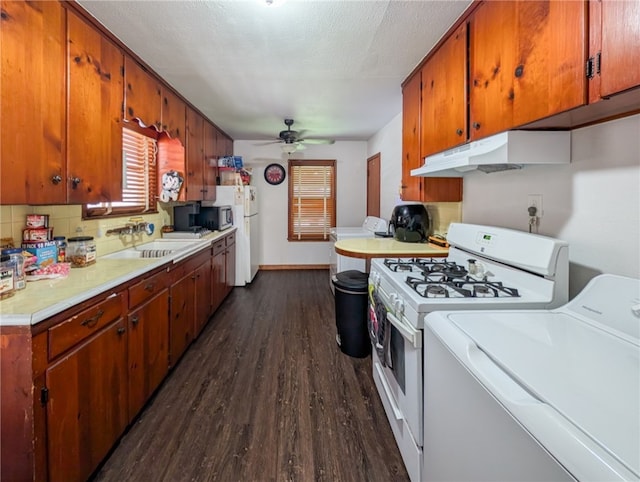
16, 261
7, 288
81, 251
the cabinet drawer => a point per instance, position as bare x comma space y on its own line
231, 239
146, 289
218, 246
76, 328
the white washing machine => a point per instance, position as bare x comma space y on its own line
339, 263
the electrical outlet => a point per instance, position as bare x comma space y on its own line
536, 201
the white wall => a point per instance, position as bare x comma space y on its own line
351, 180
388, 142
593, 203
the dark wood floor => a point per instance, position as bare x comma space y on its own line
264, 394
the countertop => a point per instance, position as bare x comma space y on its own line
387, 247
45, 298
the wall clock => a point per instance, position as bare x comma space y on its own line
274, 174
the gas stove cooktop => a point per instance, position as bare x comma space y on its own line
441, 278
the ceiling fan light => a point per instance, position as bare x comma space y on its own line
289, 148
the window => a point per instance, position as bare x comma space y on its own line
138, 178
312, 199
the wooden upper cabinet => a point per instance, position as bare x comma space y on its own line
614, 27
174, 115
526, 63
142, 95
410, 189
94, 123
32, 94
195, 156
210, 161
444, 100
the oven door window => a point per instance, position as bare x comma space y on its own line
386, 339
397, 356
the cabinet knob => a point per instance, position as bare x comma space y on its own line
459, 131
56, 179
476, 125
75, 181
121, 330
135, 320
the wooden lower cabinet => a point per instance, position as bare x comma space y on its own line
181, 315
73, 383
148, 350
203, 299
87, 404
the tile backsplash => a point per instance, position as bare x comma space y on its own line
67, 221
442, 214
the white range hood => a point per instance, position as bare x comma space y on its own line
507, 150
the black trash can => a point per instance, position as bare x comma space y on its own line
351, 313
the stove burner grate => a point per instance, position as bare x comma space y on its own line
466, 287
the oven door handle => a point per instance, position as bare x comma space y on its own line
387, 391
414, 336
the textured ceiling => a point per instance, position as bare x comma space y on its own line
334, 66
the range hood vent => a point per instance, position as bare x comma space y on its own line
504, 151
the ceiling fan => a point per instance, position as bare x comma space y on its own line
295, 140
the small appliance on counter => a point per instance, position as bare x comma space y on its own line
410, 223
185, 223
215, 218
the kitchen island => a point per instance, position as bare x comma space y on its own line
368, 248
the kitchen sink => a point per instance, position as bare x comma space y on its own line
153, 249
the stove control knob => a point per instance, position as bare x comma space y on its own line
635, 309
399, 306
393, 297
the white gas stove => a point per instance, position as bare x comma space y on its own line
487, 268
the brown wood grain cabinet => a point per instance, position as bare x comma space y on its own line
174, 115
195, 156
230, 262
85, 392
210, 168
142, 94
429, 189
95, 68
148, 323
218, 273
32, 96
203, 286
181, 312
526, 62
444, 100
614, 48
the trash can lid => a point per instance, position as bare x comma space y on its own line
352, 279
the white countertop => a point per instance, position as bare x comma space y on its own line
45, 298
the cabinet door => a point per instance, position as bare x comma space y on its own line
142, 95
203, 300
526, 63
210, 161
411, 186
148, 349
181, 317
174, 115
195, 155
620, 46
230, 267
32, 93
87, 406
444, 95
94, 133
218, 270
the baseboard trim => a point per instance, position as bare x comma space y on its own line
278, 267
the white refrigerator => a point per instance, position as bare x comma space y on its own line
244, 201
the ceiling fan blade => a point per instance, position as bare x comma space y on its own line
317, 141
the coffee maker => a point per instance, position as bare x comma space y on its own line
185, 217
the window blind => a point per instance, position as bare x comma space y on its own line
312, 199
138, 177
